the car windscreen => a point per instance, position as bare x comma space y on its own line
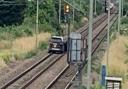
56, 40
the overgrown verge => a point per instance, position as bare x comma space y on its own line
21, 56
22, 48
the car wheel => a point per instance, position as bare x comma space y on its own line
49, 51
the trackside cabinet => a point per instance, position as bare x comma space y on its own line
113, 82
75, 48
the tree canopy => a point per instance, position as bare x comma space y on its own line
12, 12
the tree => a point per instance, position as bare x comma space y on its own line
12, 12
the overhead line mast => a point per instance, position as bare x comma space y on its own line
90, 45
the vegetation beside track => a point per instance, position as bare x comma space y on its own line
118, 59
22, 48
118, 65
118, 53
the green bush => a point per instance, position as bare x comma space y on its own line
124, 20
42, 45
30, 54
6, 58
14, 32
45, 28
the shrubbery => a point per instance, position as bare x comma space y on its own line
124, 26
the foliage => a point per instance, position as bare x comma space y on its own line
97, 86
47, 13
6, 58
99, 7
124, 26
46, 28
126, 61
124, 20
42, 45
125, 8
30, 54
23, 13
12, 14
14, 32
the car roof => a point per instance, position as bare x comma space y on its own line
57, 37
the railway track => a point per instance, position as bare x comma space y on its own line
103, 35
26, 75
97, 22
60, 82
20, 82
63, 78
50, 65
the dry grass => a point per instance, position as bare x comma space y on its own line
2, 64
20, 45
117, 58
26, 44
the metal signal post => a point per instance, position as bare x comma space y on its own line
67, 20
66, 9
74, 50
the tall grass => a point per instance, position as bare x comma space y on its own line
117, 59
24, 47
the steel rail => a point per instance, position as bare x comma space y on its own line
57, 77
24, 72
103, 28
83, 29
99, 20
95, 26
95, 48
41, 72
95, 20
69, 84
